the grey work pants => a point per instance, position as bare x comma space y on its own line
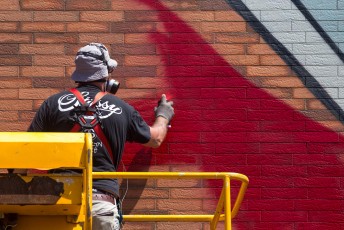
104, 216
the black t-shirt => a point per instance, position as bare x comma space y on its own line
120, 121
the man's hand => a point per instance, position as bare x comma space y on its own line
164, 109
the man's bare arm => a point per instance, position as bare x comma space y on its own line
163, 113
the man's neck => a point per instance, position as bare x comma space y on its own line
97, 84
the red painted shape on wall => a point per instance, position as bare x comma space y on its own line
291, 160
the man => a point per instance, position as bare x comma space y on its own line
119, 121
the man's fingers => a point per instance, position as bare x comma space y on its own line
163, 98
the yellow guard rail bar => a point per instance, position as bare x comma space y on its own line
223, 204
23, 150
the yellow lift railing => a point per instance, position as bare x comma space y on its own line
224, 203
72, 211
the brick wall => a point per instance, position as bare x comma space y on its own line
257, 87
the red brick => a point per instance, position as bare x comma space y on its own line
15, 16
41, 71
317, 115
286, 216
223, 93
26, 116
15, 38
14, 83
262, 159
326, 182
297, 104
332, 125
193, 193
220, 27
8, 115
8, 49
136, 93
13, 126
314, 104
148, 193
214, 5
180, 159
325, 193
17, 60
285, 170
325, 170
132, 27
283, 193
15, 105
88, 27
145, 16
178, 225
88, 5
192, 16
271, 60
139, 226
318, 205
192, 148
325, 216
182, 6
135, 38
102, 38
178, 27
261, 225
277, 82
223, 49
314, 159
56, 49
270, 115
49, 38
240, 38
273, 126
126, 5
269, 137
189, 37
242, 60
145, 82
267, 71
36, 93
260, 49
334, 148
253, 216
43, 27
271, 205
44, 82
230, 16
143, 60
178, 183
39, 5
10, 5
101, 16
270, 181
175, 205
9, 27
56, 16
47, 60
141, 204
8, 94
37, 104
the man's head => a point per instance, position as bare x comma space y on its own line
93, 63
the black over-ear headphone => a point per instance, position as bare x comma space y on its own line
111, 86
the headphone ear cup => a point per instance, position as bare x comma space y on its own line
112, 86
